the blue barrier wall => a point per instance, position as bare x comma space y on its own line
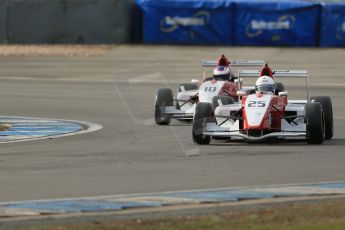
333, 25
277, 23
187, 22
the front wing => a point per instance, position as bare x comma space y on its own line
172, 112
212, 129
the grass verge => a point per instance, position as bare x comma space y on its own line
328, 215
5, 127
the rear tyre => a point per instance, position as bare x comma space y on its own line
326, 104
225, 100
164, 97
315, 126
203, 113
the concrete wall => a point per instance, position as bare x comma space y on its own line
3, 26
65, 21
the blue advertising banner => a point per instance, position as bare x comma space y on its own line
277, 23
187, 21
333, 25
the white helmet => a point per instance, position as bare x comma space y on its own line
265, 84
221, 73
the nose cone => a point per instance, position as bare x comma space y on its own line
256, 109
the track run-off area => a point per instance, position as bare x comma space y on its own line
131, 154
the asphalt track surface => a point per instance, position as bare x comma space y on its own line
131, 154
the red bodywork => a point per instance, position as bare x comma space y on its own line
230, 89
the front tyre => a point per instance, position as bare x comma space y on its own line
164, 97
315, 125
203, 113
326, 104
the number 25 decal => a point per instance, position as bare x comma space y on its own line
256, 104
210, 89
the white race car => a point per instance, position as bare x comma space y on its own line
210, 90
260, 117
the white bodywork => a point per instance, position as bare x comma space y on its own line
298, 124
205, 93
185, 106
227, 116
225, 126
207, 90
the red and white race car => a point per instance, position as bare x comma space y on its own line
210, 90
265, 116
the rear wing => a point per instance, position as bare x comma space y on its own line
279, 73
235, 63
276, 73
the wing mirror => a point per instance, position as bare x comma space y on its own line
283, 93
241, 93
195, 81
236, 80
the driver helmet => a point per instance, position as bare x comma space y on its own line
265, 84
221, 73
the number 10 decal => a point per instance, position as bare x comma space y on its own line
210, 89
256, 104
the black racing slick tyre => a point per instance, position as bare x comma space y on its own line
326, 104
315, 126
186, 86
224, 100
164, 97
203, 113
